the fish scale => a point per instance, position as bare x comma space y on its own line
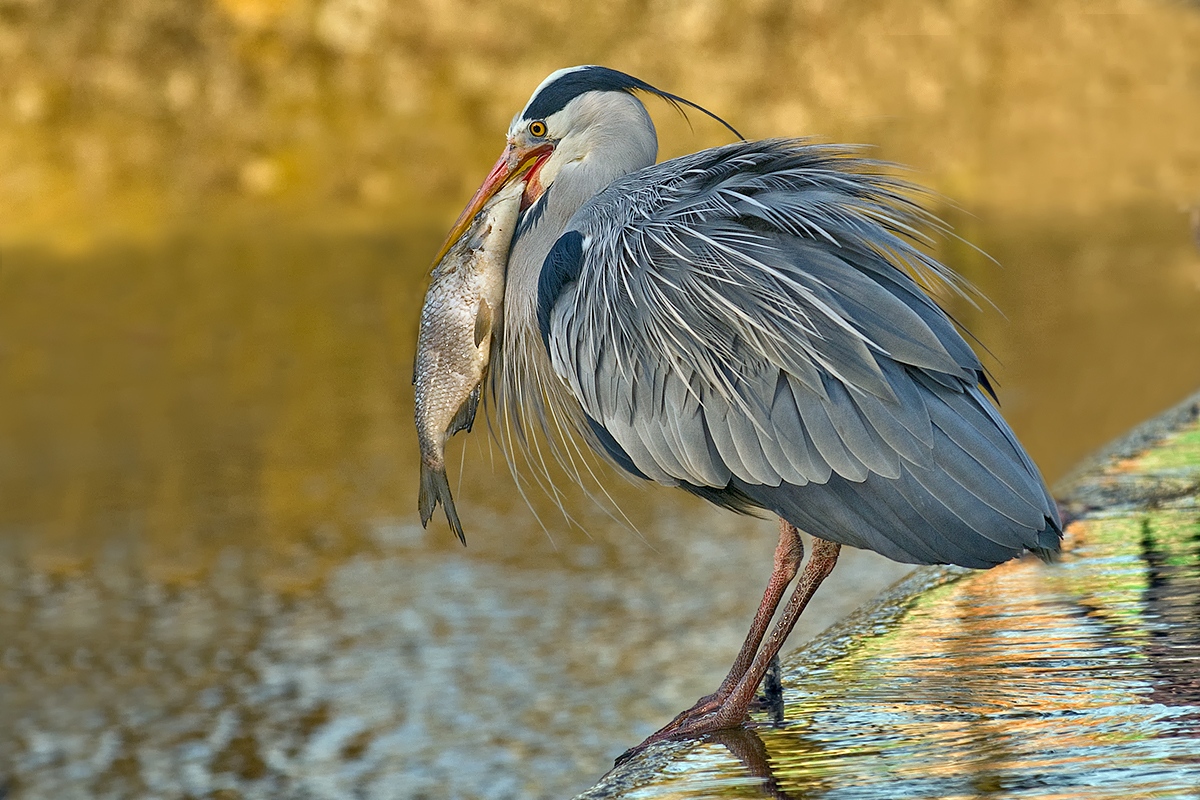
458, 319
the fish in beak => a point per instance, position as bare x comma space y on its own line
514, 162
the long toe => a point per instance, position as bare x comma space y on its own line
706, 716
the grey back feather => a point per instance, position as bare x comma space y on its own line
751, 320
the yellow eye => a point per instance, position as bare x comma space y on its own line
537, 128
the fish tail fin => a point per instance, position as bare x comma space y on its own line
434, 489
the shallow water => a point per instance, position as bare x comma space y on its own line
216, 224
1080, 679
212, 575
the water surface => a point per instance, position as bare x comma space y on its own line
1079, 679
216, 224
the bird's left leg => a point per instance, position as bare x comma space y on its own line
731, 711
789, 553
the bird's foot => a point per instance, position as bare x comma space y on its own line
707, 715
705, 705
718, 711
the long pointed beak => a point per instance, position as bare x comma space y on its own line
513, 163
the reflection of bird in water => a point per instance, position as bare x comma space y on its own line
745, 323
748, 748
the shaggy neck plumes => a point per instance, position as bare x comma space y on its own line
582, 166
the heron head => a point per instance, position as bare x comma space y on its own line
580, 115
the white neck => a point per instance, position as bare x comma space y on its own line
610, 135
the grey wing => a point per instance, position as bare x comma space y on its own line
743, 324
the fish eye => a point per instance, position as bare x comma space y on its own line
537, 128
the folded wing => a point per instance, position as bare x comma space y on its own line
745, 324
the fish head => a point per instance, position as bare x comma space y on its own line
523, 156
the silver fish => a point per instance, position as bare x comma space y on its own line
462, 308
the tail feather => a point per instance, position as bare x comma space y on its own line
434, 489
1049, 546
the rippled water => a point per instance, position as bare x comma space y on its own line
215, 225
408, 674
1080, 679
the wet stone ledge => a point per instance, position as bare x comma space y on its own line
1079, 679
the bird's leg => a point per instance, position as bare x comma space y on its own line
731, 710
788, 555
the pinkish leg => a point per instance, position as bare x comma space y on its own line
715, 712
788, 555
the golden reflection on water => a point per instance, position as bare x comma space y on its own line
217, 219
1079, 679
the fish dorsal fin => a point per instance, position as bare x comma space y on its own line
483, 322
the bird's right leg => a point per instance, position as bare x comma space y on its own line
727, 707
788, 555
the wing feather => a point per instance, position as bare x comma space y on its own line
745, 431
820, 427
785, 420
747, 323
716, 422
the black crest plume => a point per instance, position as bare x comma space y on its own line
554, 96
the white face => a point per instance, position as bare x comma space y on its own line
532, 132
608, 131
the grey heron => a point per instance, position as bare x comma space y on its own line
749, 324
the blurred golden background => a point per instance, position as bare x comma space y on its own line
216, 220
